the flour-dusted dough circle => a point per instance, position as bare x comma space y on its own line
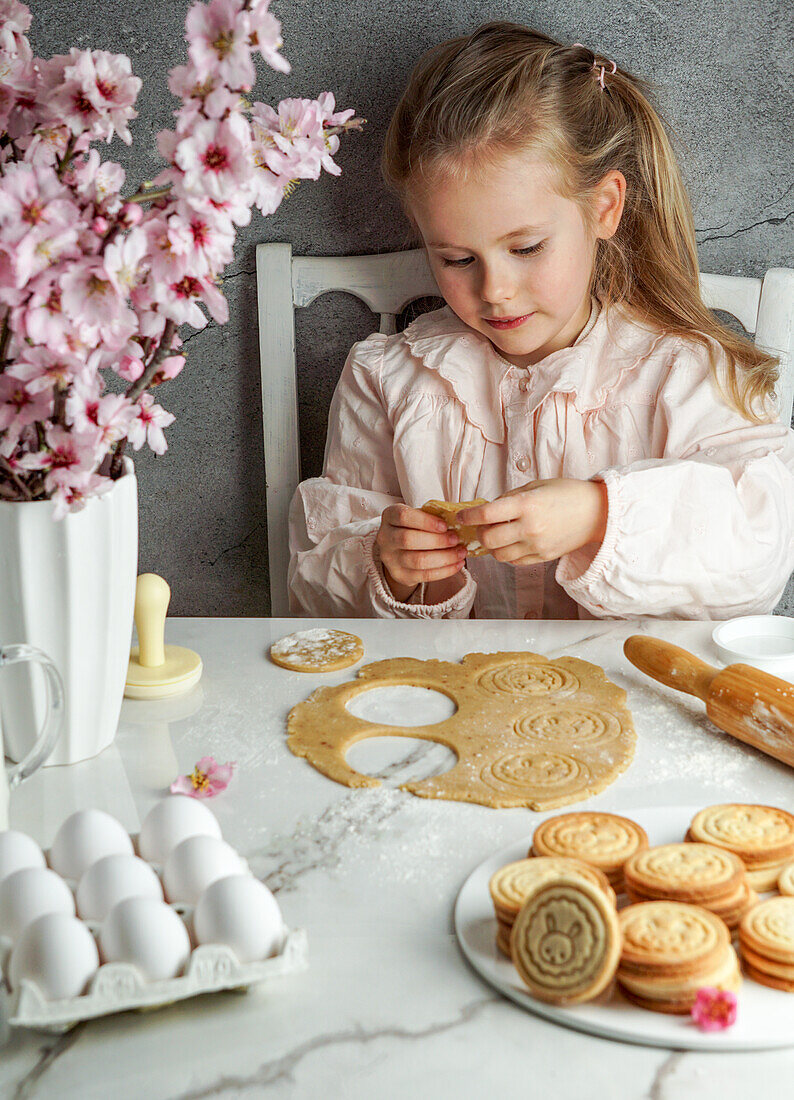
500, 759
566, 941
563, 726
317, 650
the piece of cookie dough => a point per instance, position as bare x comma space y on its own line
317, 650
468, 534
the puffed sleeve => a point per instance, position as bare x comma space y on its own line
704, 531
334, 567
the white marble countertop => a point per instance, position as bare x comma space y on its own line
388, 1007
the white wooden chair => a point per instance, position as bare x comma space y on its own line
387, 283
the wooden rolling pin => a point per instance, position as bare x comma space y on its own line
744, 701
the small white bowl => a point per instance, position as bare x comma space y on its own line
763, 641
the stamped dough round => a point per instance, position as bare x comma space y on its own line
317, 650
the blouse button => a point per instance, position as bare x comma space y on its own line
522, 464
523, 385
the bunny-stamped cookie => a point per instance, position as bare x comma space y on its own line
566, 941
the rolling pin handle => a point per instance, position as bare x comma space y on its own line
670, 665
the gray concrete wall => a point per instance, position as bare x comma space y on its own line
724, 71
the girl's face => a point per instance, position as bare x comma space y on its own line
503, 245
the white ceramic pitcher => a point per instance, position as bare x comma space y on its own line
51, 728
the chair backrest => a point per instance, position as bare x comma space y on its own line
387, 283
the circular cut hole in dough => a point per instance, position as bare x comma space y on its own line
397, 760
402, 705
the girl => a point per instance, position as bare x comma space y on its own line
625, 440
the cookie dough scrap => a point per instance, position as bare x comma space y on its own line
317, 650
528, 731
468, 534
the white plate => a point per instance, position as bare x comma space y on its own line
765, 1018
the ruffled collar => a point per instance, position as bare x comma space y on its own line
610, 344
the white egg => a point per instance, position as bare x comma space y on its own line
110, 880
84, 838
18, 850
58, 953
148, 934
241, 912
28, 894
195, 863
170, 822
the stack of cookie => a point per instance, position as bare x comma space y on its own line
512, 884
670, 951
605, 841
762, 837
766, 941
566, 941
698, 874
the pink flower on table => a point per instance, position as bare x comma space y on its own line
217, 35
148, 425
215, 156
18, 406
207, 779
714, 1009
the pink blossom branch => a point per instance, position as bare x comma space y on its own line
5, 336
137, 388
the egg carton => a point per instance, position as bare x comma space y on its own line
118, 987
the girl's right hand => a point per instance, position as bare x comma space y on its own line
415, 548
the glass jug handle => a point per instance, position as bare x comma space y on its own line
53, 720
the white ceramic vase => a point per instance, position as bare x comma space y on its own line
68, 587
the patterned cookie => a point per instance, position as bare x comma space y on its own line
764, 878
696, 873
723, 975
467, 533
760, 835
781, 971
768, 929
511, 884
728, 977
565, 942
603, 840
785, 882
671, 938
317, 650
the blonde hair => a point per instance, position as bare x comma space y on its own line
505, 88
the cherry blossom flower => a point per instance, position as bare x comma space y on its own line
18, 404
91, 90
207, 779
217, 35
74, 488
214, 157
147, 427
41, 369
714, 1009
265, 31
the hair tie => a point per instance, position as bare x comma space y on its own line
598, 65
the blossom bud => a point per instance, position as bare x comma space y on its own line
100, 225
131, 213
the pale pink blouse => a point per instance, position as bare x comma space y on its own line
700, 500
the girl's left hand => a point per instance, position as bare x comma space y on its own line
542, 520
